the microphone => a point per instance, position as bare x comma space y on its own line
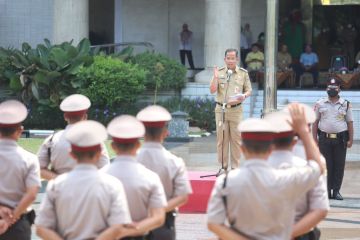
229, 73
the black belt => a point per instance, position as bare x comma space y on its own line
228, 105
136, 238
332, 135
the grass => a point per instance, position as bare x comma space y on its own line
33, 145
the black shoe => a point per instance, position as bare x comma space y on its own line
337, 196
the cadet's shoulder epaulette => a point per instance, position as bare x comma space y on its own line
243, 69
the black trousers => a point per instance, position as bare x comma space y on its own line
334, 151
312, 235
167, 231
299, 70
188, 54
21, 230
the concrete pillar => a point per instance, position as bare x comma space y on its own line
71, 20
222, 31
270, 102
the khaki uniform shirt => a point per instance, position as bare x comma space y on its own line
82, 203
283, 60
315, 198
255, 56
333, 116
19, 170
261, 199
60, 160
239, 83
170, 168
142, 187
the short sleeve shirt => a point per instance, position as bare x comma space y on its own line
142, 186
82, 203
19, 170
171, 169
60, 159
261, 199
315, 198
333, 117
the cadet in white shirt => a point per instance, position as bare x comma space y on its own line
170, 168
84, 202
313, 206
20, 174
143, 187
256, 199
54, 154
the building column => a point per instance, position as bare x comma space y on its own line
71, 20
222, 31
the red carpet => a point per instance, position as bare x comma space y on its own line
201, 192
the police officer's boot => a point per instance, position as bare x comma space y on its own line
337, 195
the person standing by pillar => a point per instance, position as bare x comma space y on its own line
232, 86
334, 131
186, 45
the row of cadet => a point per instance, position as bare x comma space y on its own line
257, 200
134, 197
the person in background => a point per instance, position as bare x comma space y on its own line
186, 45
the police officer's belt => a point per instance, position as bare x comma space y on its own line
333, 135
228, 105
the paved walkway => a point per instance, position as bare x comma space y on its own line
342, 222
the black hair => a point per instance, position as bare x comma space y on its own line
232, 50
255, 146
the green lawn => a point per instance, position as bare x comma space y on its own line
33, 144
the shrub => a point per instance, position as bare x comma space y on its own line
163, 72
200, 110
112, 82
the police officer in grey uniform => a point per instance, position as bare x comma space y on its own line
20, 174
84, 202
333, 129
171, 169
257, 200
54, 152
144, 191
313, 206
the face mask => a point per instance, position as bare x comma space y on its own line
332, 92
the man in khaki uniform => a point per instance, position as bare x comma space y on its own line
313, 206
237, 89
257, 200
19, 174
171, 169
84, 202
54, 152
144, 191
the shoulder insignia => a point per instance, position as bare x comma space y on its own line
222, 68
243, 69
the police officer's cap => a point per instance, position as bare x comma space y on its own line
334, 82
86, 136
125, 129
256, 129
309, 113
12, 113
154, 116
75, 104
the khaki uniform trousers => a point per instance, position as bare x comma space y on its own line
228, 137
